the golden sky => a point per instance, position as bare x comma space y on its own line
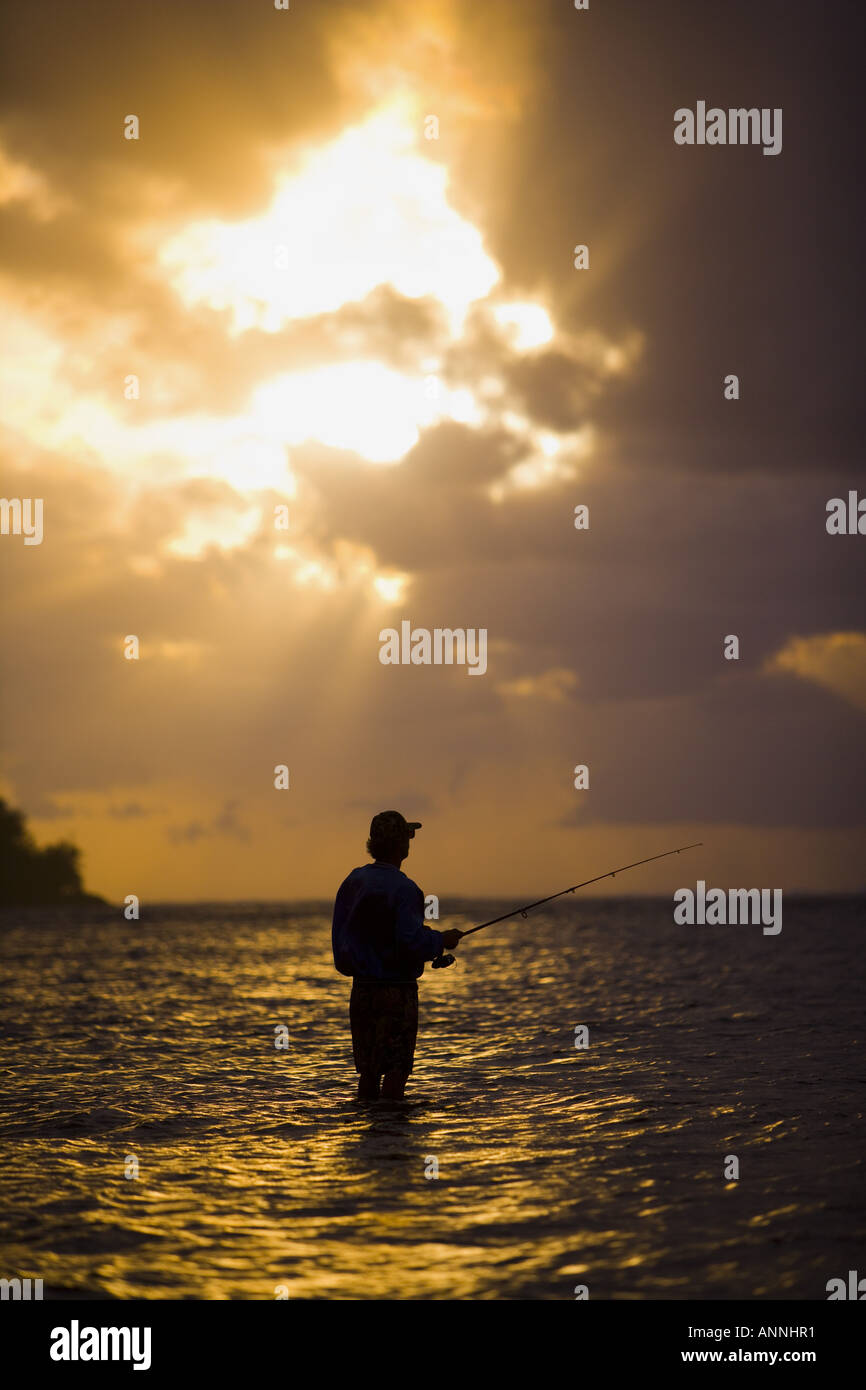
324, 309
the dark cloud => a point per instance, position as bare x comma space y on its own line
131, 810
550, 390
213, 86
751, 751
224, 823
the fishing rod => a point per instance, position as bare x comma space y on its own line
444, 960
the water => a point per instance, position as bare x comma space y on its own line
557, 1167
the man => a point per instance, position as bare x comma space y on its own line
380, 938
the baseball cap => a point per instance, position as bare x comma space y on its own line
391, 825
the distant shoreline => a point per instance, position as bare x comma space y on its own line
459, 903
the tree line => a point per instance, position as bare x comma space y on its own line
32, 875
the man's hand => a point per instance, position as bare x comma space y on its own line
450, 938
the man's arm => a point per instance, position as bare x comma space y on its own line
346, 896
413, 934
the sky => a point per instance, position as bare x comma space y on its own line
332, 283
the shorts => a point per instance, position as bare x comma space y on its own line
384, 1021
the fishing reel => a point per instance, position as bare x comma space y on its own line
442, 961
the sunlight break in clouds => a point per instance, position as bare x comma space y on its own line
528, 325
362, 406
367, 210
364, 211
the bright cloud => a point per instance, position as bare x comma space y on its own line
836, 660
362, 406
364, 211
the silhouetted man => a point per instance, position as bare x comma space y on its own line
380, 938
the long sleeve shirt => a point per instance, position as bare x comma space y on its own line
379, 934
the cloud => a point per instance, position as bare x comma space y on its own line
553, 388
224, 823
835, 660
555, 685
131, 810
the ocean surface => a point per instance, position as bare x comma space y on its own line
151, 1045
